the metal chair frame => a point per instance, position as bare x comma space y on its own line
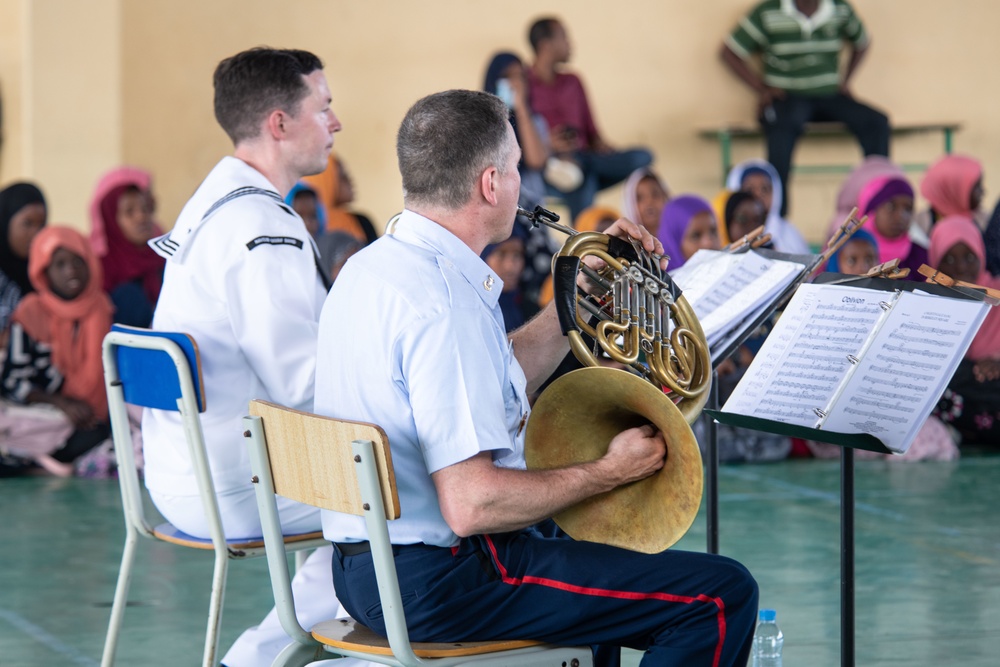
189, 403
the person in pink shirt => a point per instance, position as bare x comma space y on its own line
561, 100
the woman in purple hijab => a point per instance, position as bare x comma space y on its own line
687, 225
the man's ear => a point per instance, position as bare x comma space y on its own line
488, 184
276, 124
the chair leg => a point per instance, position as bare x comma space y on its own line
215, 608
121, 598
300, 558
299, 655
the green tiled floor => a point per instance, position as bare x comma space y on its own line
928, 573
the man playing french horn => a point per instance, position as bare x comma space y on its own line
411, 338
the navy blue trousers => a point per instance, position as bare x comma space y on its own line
681, 608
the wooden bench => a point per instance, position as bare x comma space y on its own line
727, 134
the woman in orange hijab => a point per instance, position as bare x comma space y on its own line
54, 354
336, 190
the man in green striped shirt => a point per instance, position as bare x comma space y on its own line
799, 43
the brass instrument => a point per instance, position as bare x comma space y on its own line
640, 319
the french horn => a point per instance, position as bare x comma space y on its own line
638, 318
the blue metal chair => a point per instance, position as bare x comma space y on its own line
346, 466
162, 370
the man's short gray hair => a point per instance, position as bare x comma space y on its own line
446, 141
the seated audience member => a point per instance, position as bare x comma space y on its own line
121, 218
888, 203
560, 98
759, 178
53, 364
643, 198
870, 168
971, 404
933, 442
799, 42
335, 249
952, 186
505, 78
742, 213
507, 261
335, 190
687, 225
304, 201
22, 215
857, 256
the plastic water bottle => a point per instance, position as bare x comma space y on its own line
767, 640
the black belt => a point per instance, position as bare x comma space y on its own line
353, 548
359, 548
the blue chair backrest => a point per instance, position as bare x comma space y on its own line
149, 377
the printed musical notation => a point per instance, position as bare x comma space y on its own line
808, 350
725, 289
909, 362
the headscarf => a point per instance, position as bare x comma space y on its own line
674, 221
73, 329
833, 264
719, 202
630, 207
327, 186
123, 261
784, 235
589, 217
870, 168
301, 186
961, 229
948, 184
13, 199
877, 192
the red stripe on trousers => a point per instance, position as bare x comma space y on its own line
623, 595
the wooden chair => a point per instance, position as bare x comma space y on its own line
162, 370
346, 467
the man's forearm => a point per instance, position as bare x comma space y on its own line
740, 68
539, 346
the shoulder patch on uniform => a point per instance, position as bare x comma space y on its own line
275, 240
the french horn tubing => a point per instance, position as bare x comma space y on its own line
638, 318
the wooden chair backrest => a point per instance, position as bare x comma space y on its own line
312, 461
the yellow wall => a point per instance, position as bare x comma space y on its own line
111, 80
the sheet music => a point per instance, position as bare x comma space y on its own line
905, 369
725, 288
805, 358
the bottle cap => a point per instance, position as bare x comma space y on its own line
768, 615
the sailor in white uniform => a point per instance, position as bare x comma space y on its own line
243, 281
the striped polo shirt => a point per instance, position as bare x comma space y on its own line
800, 53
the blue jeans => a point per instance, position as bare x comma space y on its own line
600, 171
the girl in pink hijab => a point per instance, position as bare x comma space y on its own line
972, 401
952, 186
